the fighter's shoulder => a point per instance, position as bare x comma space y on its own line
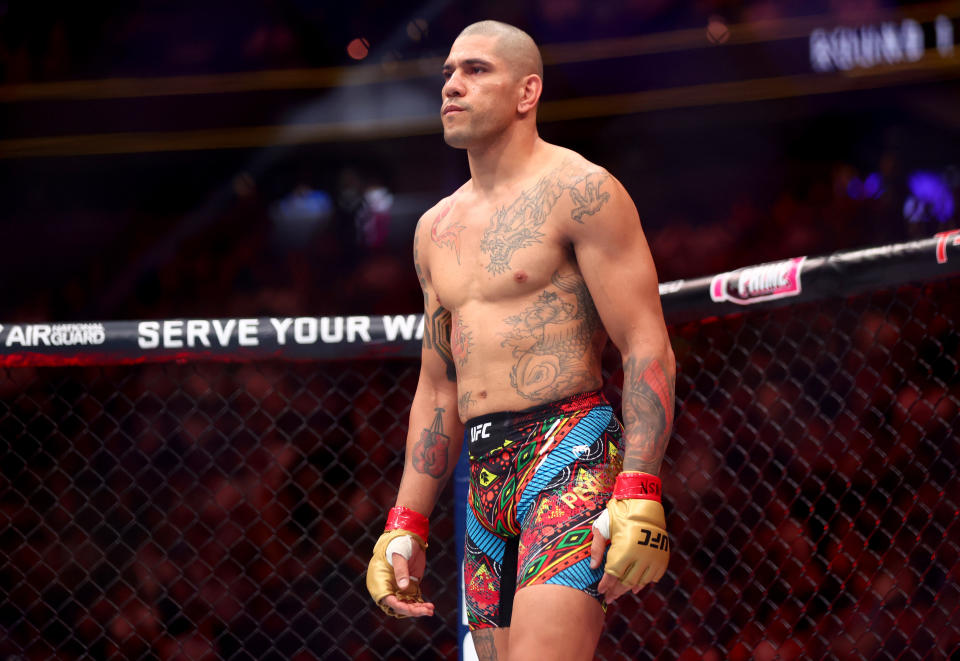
574, 166
592, 197
433, 212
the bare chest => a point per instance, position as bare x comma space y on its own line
492, 253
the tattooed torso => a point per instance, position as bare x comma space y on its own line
521, 323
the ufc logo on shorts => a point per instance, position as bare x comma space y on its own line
659, 541
480, 431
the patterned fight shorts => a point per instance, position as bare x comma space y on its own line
538, 479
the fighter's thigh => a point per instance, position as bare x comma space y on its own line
491, 644
554, 622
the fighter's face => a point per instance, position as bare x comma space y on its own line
480, 94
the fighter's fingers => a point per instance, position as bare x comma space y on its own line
617, 591
639, 575
401, 571
607, 583
409, 609
659, 574
597, 547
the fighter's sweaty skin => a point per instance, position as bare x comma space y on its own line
524, 326
444, 232
552, 340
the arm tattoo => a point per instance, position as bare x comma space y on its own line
483, 642
427, 344
430, 452
440, 325
449, 235
416, 265
648, 393
590, 200
551, 341
460, 341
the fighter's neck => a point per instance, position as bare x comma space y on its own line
504, 161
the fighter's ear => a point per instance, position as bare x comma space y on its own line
531, 87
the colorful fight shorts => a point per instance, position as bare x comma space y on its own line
538, 479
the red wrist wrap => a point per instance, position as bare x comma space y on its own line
408, 519
637, 485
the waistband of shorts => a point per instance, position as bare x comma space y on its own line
578, 402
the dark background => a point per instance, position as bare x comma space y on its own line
150, 165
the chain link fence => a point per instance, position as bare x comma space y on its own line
226, 511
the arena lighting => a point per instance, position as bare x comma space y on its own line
845, 48
930, 199
869, 188
358, 48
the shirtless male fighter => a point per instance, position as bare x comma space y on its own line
526, 270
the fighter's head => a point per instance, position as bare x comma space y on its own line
494, 76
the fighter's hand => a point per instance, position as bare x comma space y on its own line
396, 589
639, 545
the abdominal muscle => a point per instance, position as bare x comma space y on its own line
512, 356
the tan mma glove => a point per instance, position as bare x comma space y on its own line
404, 528
634, 523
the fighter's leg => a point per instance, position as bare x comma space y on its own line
554, 622
491, 644
490, 569
557, 612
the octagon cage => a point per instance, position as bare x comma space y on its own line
223, 504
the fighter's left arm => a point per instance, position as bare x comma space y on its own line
617, 266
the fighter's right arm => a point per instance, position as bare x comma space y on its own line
434, 437
435, 433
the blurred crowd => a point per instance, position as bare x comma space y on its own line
60, 40
346, 248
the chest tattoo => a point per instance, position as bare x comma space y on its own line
447, 234
517, 225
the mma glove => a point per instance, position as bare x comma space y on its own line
404, 528
634, 523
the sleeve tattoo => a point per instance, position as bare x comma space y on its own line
430, 450
441, 325
648, 394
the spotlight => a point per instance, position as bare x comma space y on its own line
358, 48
